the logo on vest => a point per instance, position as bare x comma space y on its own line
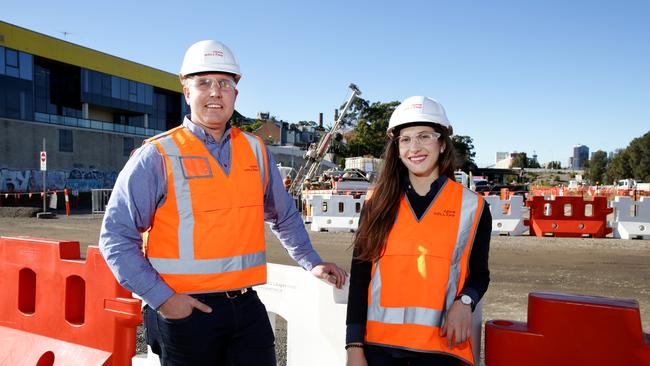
252, 168
445, 213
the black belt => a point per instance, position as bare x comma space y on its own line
227, 294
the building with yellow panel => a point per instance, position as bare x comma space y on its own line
92, 109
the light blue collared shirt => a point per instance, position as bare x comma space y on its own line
141, 188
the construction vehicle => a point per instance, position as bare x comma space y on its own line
631, 184
316, 152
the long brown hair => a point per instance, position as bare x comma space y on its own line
380, 211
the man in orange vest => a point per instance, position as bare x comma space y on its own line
184, 227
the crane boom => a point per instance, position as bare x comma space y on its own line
316, 152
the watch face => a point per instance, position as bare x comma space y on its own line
466, 300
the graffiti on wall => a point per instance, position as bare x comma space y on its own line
82, 180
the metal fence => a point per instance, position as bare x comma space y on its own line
100, 199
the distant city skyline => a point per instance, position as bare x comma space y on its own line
515, 76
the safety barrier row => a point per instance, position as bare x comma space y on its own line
570, 330
632, 218
52, 198
588, 191
561, 216
333, 212
62, 310
568, 217
507, 215
58, 309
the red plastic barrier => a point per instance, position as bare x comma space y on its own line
570, 330
57, 309
565, 217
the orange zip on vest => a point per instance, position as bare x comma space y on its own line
421, 272
208, 235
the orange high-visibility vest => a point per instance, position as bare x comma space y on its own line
421, 272
208, 235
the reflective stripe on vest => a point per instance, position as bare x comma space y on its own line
186, 263
425, 316
405, 315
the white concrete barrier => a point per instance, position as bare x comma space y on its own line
631, 222
315, 313
507, 215
335, 212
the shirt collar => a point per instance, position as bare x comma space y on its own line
435, 185
199, 132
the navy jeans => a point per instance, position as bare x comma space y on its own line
237, 332
384, 356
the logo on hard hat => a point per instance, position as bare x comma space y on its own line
414, 106
214, 53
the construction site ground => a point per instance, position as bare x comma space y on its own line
519, 265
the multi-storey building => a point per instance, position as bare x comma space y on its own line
580, 156
91, 109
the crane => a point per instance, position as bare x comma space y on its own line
316, 152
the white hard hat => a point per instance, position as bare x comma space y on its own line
418, 109
209, 56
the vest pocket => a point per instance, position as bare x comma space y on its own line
195, 167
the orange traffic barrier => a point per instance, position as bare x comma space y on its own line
67, 202
570, 330
568, 216
58, 309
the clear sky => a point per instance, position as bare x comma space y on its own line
531, 76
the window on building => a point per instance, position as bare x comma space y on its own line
26, 62
2, 60
65, 140
11, 63
115, 87
16, 64
106, 85
133, 91
129, 144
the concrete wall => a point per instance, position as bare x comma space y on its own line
97, 156
21, 142
96, 159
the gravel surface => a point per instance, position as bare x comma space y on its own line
519, 265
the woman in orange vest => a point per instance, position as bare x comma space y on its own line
421, 251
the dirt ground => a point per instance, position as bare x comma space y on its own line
519, 265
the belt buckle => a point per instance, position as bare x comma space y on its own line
236, 293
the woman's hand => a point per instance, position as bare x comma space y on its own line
458, 325
356, 357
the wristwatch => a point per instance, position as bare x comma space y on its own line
466, 300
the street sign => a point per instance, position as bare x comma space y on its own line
43, 161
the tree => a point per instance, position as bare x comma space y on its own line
619, 168
597, 166
464, 146
532, 163
632, 162
519, 161
371, 123
639, 155
252, 127
238, 120
553, 165
307, 123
